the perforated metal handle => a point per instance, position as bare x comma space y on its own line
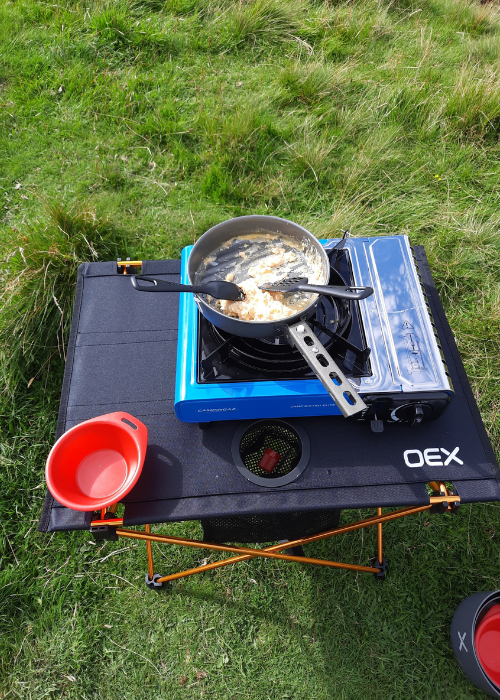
301, 336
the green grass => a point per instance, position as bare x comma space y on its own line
129, 127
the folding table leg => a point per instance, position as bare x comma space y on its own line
381, 562
444, 500
151, 577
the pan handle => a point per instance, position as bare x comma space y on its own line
159, 285
301, 336
352, 292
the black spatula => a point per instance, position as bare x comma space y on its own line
299, 284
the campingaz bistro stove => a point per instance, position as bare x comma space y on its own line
387, 346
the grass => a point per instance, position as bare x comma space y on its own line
129, 127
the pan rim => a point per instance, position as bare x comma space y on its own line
286, 319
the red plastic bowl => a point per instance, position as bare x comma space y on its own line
488, 644
96, 463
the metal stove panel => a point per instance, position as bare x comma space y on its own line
405, 353
400, 311
381, 379
415, 357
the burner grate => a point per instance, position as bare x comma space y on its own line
272, 355
226, 358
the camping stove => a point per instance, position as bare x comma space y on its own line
386, 345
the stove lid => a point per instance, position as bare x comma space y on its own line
406, 355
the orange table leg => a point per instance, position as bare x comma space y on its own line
149, 550
449, 501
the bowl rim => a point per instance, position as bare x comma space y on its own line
128, 483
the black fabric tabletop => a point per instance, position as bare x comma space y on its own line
122, 356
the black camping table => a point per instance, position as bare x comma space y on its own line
122, 357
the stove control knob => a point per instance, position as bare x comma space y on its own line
418, 414
300, 329
412, 413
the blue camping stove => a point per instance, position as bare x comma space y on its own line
386, 345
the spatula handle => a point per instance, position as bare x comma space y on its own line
353, 292
159, 285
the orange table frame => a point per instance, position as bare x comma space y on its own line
441, 500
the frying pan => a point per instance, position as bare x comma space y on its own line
226, 247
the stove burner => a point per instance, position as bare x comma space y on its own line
229, 358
